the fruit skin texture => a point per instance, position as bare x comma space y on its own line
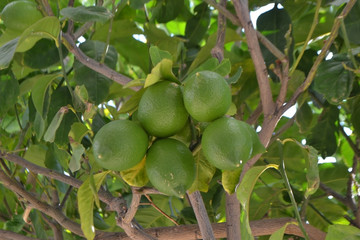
227, 143
170, 167
120, 145
207, 96
161, 109
19, 15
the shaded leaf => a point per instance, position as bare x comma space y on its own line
279, 234
97, 85
333, 80
322, 136
304, 117
36, 154
234, 78
197, 26
7, 52
9, 92
167, 10
15, 224
352, 24
86, 14
355, 116
312, 174
77, 152
131, 105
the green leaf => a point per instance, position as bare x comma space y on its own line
312, 174
344, 232
156, 55
40, 90
54, 125
275, 24
77, 152
86, 14
39, 126
36, 154
322, 136
97, 85
85, 199
333, 80
36, 220
158, 37
243, 193
77, 132
279, 234
352, 24
355, 115
43, 54
7, 52
234, 78
136, 176
197, 26
167, 10
162, 71
230, 179
131, 105
204, 173
9, 92
304, 117
15, 224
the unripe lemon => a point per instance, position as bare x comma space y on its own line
207, 96
120, 145
227, 143
170, 167
19, 15
161, 109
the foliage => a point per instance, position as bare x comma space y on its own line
85, 63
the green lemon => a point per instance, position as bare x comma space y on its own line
227, 143
207, 96
120, 145
19, 15
161, 109
170, 167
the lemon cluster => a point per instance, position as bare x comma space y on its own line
163, 111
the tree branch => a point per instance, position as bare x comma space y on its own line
242, 11
69, 42
202, 217
7, 235
310, 77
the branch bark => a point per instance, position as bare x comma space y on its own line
7, 235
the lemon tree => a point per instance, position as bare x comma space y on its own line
159, 119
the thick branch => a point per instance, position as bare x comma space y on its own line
242, 11
262, 227
94, 65
202, 217
324, 50
7, 235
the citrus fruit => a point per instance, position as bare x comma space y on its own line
161, 109
227, 143
207, 96
120, 145
170, 167
19, 15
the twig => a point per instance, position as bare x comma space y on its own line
161, 211
43, 207
218, 50
133, 208
94, 65
338, 196
269, 45
321, 56
313, 26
